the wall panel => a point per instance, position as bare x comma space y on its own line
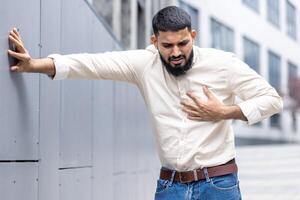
18, 181
19, 102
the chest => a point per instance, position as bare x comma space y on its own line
164, 92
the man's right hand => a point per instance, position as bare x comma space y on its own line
25, 62
21, 54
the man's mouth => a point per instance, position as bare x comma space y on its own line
177, 61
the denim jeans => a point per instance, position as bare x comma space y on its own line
224, 187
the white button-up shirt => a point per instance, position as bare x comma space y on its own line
182, 144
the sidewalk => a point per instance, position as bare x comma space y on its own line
269, 172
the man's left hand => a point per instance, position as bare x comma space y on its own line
210, 110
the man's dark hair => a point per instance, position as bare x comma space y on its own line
171, 18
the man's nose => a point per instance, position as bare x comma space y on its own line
176, 51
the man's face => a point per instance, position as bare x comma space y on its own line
175, 49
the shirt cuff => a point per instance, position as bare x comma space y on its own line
61, 69
250, 111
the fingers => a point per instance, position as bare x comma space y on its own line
190, 112
14, 35
195, 118
15, 68
194, 98
18, 44
208, 93
15, 30
16, 55
189, 105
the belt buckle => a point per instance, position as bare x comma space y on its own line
180, 178
195, 177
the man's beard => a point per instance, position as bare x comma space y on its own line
178, 70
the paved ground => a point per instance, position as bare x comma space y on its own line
269, 172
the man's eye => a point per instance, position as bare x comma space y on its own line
183, 44
167, 46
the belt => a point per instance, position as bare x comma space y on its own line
198, 174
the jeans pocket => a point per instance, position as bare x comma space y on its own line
225, 182
162, 185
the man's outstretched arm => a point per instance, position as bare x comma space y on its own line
125, 66
25, 62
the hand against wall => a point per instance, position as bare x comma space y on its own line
21, 54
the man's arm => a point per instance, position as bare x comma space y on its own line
259, 99
118, 65
234, 112
25, 62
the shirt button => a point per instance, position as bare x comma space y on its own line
181, 90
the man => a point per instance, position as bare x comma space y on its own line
190, 93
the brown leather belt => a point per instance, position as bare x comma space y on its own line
198, 174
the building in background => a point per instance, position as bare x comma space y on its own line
263, 33
130, 20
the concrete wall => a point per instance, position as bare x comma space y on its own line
69, 139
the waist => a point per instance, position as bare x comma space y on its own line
199, 174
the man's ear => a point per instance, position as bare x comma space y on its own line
154, 40
194, 34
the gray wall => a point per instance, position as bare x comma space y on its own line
69, 139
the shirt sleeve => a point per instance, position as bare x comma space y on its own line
259, 99
118, 65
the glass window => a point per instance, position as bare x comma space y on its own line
222, 36
252, 54
252, 57
291, 20
292, 71
253, 4
273, 12
275, 80
293, 74
193, 12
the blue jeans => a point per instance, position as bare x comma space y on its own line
224, 187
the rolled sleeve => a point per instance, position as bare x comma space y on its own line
61, 68
251, 112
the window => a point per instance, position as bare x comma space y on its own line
292, 71
275, 80
252, 57
292, 75
253, 4
291, 20
273, 12
222, 36
194, 17
274, 70
252, 54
